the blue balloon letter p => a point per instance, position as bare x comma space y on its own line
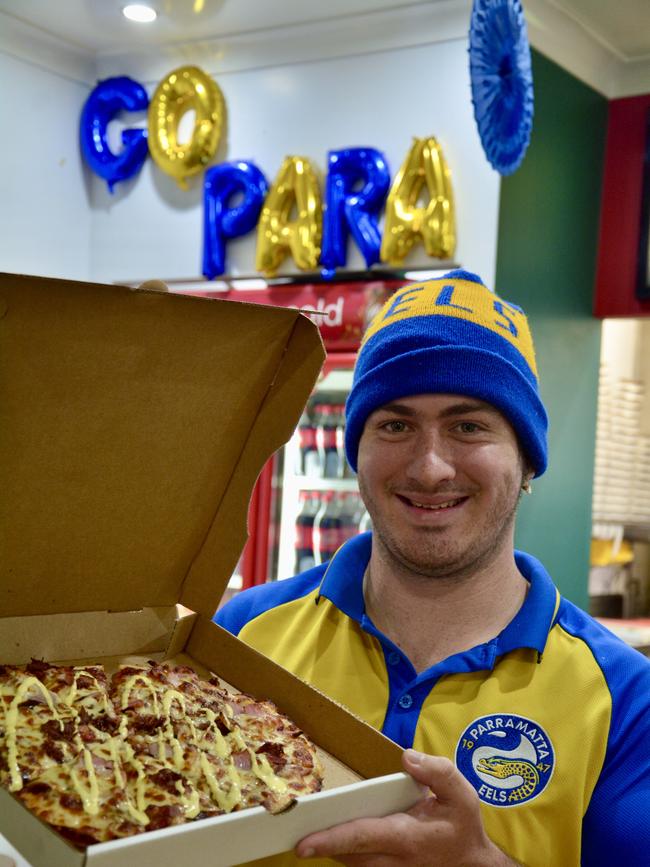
221, 222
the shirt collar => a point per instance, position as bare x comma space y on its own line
342, 584
532, 623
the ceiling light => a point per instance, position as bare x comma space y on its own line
140, 13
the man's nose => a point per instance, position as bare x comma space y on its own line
432, 461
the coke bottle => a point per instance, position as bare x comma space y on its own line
345, 518
350, 514
327, 537
365, 522
326, 442
339, 423
304, 545
308, 457
317, 417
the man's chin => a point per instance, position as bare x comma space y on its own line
434, 565
440, 558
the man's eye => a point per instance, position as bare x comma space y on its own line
394, 426
468, 427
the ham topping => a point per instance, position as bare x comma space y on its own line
242, 760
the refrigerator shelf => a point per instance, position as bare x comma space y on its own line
304, 483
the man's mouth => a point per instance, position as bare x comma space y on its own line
433, 507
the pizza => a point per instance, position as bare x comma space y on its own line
99, 757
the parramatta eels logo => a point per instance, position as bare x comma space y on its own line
507, 758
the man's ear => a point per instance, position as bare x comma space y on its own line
528, 473
527, 470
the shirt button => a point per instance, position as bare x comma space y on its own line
393, 658
405, 701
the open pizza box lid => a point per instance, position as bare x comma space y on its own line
134, 425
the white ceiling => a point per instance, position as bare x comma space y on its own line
623, 26
605, 43
98, 26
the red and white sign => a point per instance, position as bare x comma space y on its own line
342, 311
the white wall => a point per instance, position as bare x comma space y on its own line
46, 217
624, 354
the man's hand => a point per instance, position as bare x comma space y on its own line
444, 829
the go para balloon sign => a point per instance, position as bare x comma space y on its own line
291, 217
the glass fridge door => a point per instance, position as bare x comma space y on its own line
315, 503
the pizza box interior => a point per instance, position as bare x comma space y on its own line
134, 425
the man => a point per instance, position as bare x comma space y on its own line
530, 722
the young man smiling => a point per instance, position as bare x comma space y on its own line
528, 722
441, 477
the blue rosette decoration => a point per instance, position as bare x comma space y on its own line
502, 81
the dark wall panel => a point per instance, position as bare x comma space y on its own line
620, 220
546, 261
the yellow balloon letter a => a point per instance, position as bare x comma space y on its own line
295, 185
405, 222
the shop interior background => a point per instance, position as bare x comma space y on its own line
304, 78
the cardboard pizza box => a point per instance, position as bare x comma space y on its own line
134, 424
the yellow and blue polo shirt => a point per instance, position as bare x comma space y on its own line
549, 721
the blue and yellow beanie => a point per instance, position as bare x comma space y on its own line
450, 335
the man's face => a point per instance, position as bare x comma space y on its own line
441, 477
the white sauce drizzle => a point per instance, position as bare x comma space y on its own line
89, 793
221, 748
11, 721
260, 766
128, 686
226, 800
169, 696
69, 697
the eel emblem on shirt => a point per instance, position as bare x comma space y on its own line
509, 759
502, 769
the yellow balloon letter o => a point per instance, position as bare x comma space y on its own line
184, 89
